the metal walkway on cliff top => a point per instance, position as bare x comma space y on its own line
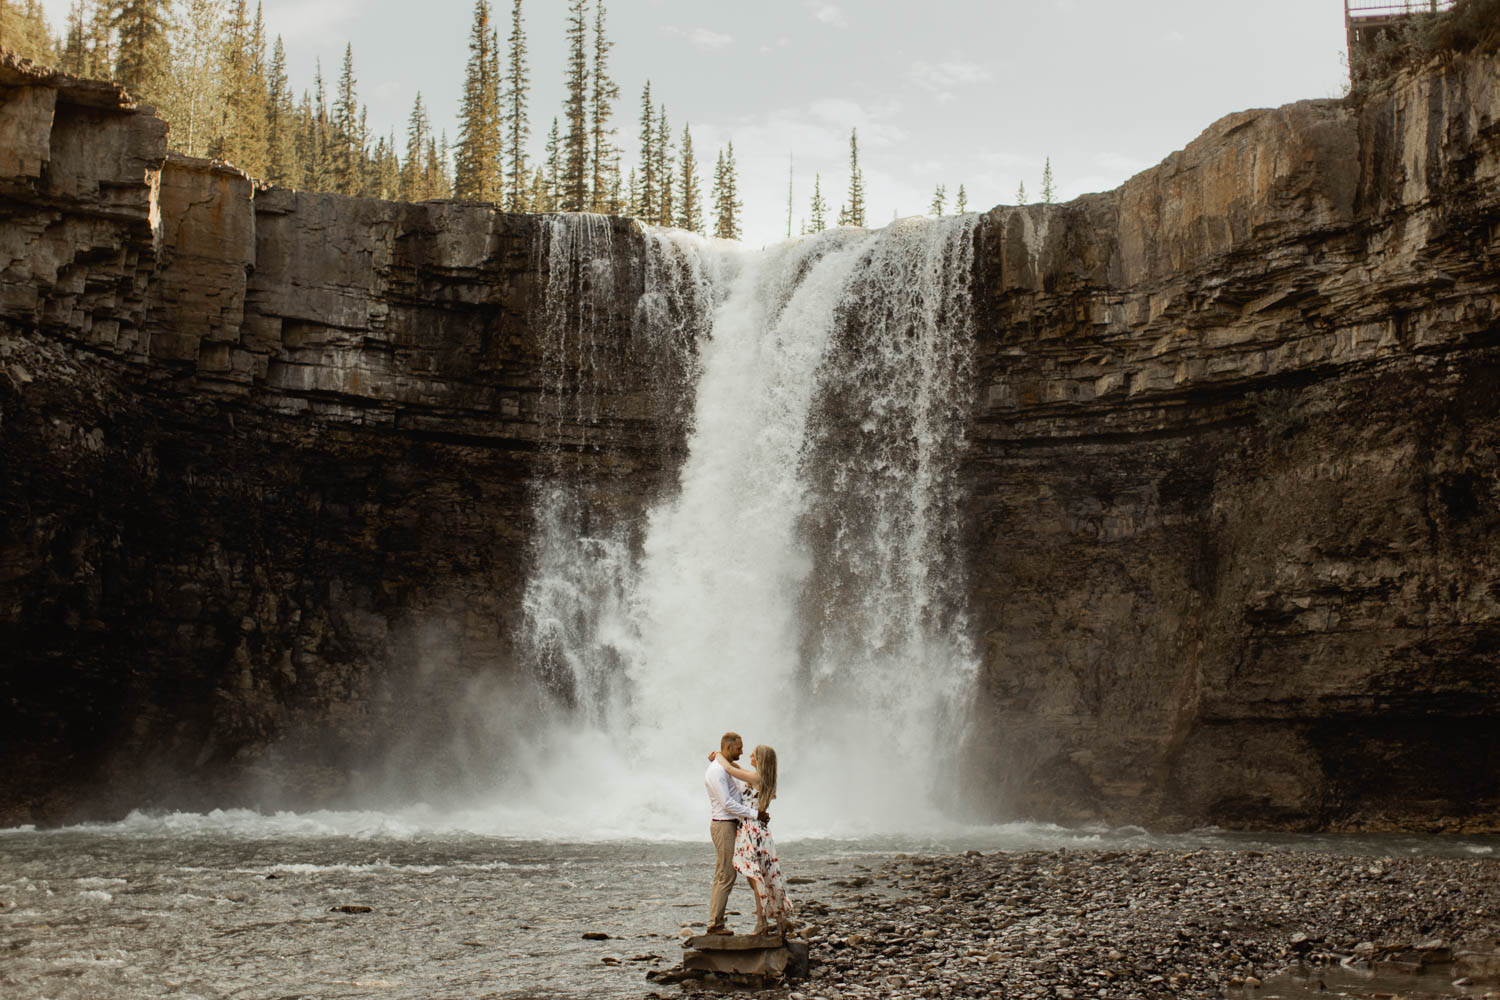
1364, 22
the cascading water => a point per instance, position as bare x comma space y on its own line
802, 581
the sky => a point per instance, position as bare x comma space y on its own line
972, 92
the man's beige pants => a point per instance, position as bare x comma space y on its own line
722, 831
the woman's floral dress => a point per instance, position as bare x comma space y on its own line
755, 858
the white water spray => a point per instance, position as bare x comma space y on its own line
802, 583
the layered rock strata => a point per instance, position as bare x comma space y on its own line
1231, 480
1234, 479
269, 460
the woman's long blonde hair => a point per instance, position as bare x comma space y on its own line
764, 759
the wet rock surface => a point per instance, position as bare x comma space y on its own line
1131, 924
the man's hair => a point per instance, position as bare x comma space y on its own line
729, 738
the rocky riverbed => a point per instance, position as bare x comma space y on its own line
1136, 924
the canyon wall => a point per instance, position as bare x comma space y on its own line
266, 496
1232, 481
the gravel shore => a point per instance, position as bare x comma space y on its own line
1127, 924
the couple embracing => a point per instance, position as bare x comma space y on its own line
742, 835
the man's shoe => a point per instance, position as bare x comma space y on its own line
721, 929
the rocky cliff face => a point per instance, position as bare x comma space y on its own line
268, 460
1234, 493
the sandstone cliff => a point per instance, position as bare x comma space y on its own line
1232, 488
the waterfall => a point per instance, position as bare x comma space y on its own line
801, 581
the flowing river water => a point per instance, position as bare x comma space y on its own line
240, 905
801, 582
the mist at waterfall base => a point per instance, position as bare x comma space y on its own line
799, 583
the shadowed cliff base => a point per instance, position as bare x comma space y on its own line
1228, 498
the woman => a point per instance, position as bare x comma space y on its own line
754, 850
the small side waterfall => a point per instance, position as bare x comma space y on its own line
802, 582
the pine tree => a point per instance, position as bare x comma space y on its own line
413, 173
1021, 194
538, 199
817, 220
726, 197
1048, 193
345, 151
477, 175
444, 167
281, 152
145, 55
939, 197
604, 180
554, 168
386, 170
666, 167
645, 202
102, 48
856, 211
241, 138
74, 57
23, 29
320, 138
192, 96
690, 197
962, 204
518, 128
575, 156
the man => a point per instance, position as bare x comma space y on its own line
726, 799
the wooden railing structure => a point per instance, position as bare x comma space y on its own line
1364, 22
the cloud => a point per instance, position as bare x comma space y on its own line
828, 13
940, 78
1174, 38
703, 38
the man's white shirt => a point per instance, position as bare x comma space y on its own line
724, 794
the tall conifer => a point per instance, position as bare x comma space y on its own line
645, 201
241, 138
191, 96
855, 215
726, 197
477, 174
575, 151
281, 153
690, 190
142, 64
518, 128
413, 171
346, 147
1048, 192
939, 199
1021, 193
817, 220
75, 53
23, 30
666, 167
319, 166
554, 168
99, 41
605, 175
961, 204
